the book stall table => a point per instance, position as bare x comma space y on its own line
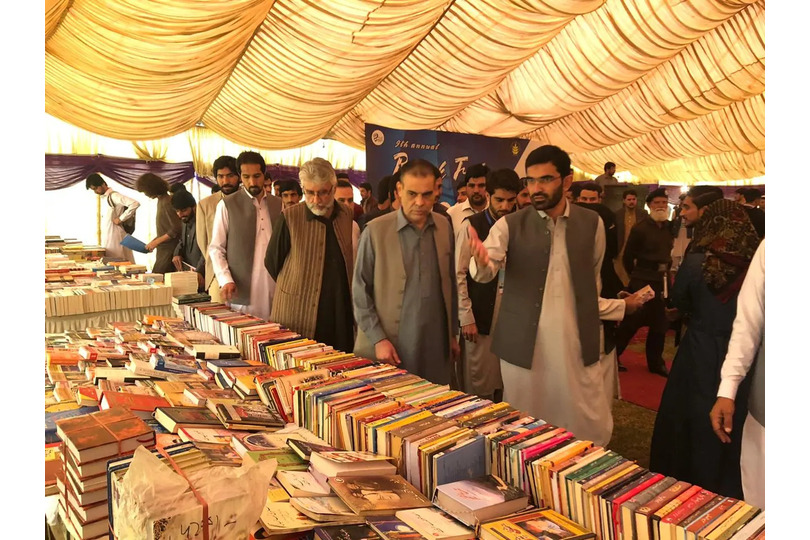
350, 448
101, 319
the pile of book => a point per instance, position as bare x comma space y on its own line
366, 448
88, 442
72, 248
181, 282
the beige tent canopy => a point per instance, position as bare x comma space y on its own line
669, 89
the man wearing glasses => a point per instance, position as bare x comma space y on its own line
242, 230
228, 181
311, 256
548, 333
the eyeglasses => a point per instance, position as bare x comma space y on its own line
542, 180
320, 194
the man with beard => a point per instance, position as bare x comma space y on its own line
404, 287
344, 194
523, 198
647, 258
187, 250
227, 178
367, 201
476, 182
242, 230
548, 333
478, 302
290, 192
311, 257
626, 218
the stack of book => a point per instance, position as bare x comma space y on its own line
88, 443
181, 282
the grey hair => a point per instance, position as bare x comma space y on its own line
318, 171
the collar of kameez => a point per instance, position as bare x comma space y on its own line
403, 222
565, 213
336, 210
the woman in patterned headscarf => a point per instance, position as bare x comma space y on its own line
705, 291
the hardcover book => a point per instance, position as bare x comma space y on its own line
377, 495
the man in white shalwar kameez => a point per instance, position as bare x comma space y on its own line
115, 208
562, 377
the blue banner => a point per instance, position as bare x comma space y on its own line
389, 149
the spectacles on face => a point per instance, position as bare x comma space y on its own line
528, 180
323, 193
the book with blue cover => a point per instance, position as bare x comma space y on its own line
134, 244
465, 461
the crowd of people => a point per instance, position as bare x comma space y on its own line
526, 290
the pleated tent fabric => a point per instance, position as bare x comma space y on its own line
672, 90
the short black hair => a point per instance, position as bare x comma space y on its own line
627, 192
288, 184
656, 193
461, 183
93, 181
476, 171
223, 162
382, 188
342, 175
751, 194
550, 154
505, 179
419, 167
590, 186
576, 190
215, 189
740, 191
704, 195
253, 158
366, 186
174, 188
396, 178
609, 164
182, 199
342, 182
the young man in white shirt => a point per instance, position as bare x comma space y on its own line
476, 182
117, 208
242, 231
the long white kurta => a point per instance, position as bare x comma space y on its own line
559, 388
262, 286
112, 234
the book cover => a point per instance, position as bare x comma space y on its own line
392, 528
377, 495
435, 524
347, 532
481, 492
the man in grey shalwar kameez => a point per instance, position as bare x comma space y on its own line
404, 288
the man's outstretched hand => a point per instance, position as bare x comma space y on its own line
477, 249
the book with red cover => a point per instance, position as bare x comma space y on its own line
103, 434
627, 496
140, 404
697, 526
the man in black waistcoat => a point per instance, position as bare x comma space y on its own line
478, 302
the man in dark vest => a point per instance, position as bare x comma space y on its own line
478, 302
548, 335
311, 257
242, 230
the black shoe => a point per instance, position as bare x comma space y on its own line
660, 370
622, 368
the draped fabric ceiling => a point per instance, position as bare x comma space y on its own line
672, 90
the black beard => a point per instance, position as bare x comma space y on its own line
255, 190
477, 199
227, 189
555, 199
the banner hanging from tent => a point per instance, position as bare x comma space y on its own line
389, 149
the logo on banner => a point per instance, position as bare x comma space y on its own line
515, 149
377, 137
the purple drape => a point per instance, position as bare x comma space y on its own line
62, 170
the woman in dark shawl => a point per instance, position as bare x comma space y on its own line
705, 291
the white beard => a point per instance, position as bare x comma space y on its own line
659, 215
320, 210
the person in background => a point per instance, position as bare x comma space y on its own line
751, 198
311, 257
478, 303
461, 191
705, 291
269, 184
167, 224
276, 184
590, 193
626, 218
242, 231
383, 203
117, 209
746, 355
367, 199
174, 188
440, 207
548, 333
523, 198
647, 258
344, 194
290, 192
188, 250
227, 177
607, 179
404, 286
476, 181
